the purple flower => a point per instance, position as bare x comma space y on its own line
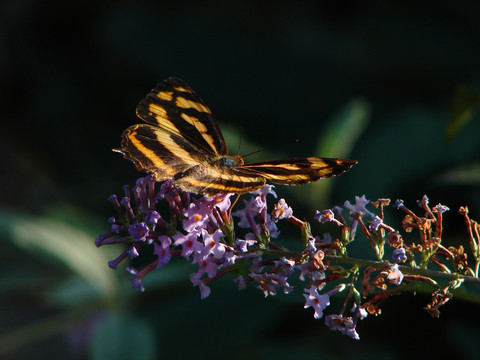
359, 207
281, 211
222, 201
399, 255
189, 243
316, 301
212, 244
398, 204
137, 280
424, 202
152, 217
324, 216
272, 227
343, 324
287, 266
242, 245
206, 264
139, 231
204, 290
162, 250
376, 222
440, 208
197, 215
309, 270
241, 282
270, 283
132, 252
395, 276
267, 189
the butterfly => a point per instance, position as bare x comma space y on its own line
182, 141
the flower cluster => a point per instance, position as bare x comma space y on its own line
172, 223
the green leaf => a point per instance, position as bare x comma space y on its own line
72, 247
465, 103
338, 140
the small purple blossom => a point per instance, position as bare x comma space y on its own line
204, 289
399, 255
267, 189
132, 252
359, 311
270, 283
398, 204
137, 280
441, 208
197, 215
343, 324
206, 264
162, 250
424, 202
286, 265
242, 245
375, 223
189, 243
241, 282
395, 276
272, 227
139, 231
324, 216
212, 244
281, 211
311, 271
359, 207
316, 301
152, 217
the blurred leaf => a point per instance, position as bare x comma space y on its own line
123, 337
461, 175
69, 245
465, 103
338, 140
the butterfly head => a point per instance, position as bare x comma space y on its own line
229, 161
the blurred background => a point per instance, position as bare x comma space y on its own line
394, 86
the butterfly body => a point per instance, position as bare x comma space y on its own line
182, 141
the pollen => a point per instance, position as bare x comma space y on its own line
197, 217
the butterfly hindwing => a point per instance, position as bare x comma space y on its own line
298, 171
208, 179
174, 106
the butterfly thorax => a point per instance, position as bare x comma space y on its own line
229, 161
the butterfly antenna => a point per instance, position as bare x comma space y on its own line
254, 152
257, 151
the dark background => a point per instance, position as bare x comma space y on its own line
72, 74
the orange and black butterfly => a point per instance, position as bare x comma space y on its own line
182, 141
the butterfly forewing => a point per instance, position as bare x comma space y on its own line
162, 153
183, 142
174, 106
